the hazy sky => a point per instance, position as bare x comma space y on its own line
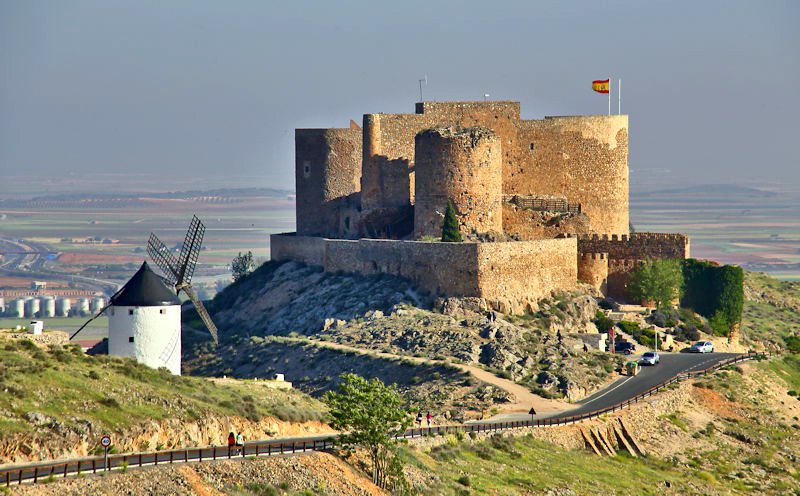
215, 89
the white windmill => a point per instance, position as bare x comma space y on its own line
145, 317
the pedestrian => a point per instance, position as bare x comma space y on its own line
429, 417
231, 442
419, 419
239, 441
585, 348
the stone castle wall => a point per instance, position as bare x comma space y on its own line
508, 275
584, 158
462, 165
626, 252
328, 181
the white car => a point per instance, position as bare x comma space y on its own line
702, 347
650, 358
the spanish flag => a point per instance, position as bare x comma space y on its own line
600, 86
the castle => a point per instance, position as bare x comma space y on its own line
542, 203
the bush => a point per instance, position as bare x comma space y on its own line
658, 318
714, 291
464, 480
603, 323
792, 343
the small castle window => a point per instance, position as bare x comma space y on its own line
531, 146
130, 311
162, 311
130, 339
306, 168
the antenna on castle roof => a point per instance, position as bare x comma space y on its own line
425, 80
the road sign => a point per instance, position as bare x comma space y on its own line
106, 441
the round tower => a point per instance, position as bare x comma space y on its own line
593, 269
463, 165
144, 322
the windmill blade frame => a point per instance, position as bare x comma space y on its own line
201, 311
110, 301
163, 258
190, 250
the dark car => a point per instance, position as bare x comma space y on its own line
624, 347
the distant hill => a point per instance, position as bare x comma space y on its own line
711, 189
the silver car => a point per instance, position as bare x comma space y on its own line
702, 347
650, 358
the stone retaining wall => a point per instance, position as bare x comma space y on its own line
508, 275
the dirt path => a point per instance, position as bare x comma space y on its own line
524, 399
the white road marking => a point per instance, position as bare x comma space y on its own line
608, 391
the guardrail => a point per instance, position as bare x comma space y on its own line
48, 471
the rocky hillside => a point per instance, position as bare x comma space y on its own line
445, 390
57, 402
385, 313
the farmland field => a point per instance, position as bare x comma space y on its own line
757, 229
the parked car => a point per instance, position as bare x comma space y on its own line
624, 347
650, 358
702, 347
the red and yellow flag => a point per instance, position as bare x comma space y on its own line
601, 85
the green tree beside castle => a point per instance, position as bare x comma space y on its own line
450, 231
659, 281
370, 414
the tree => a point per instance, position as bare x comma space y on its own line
369, 414
450, 231
242, 265
659, 281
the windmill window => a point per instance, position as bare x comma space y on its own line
130, 311
531, 146
306, 168
162, 311
130, 339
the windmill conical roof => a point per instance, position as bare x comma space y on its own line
145, 289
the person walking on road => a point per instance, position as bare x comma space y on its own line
429, 417
419, 420
239, 441
231, 442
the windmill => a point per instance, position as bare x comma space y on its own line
178, 272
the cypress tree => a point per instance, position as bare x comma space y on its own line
450, 230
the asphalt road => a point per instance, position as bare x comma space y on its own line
625, 388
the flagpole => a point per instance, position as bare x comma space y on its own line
619, 97
609, 95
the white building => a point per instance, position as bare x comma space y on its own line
144, 322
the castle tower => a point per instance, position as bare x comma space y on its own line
593, 269
463, 165
144, 322
328, 181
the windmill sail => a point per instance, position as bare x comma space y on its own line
160, 254
201, 310
178, 272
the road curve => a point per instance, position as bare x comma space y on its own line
626, 388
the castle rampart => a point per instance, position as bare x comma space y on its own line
508, 275
462, 165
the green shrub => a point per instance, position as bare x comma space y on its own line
792, 343
714, 291
464, 480
603, 323
450, 230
